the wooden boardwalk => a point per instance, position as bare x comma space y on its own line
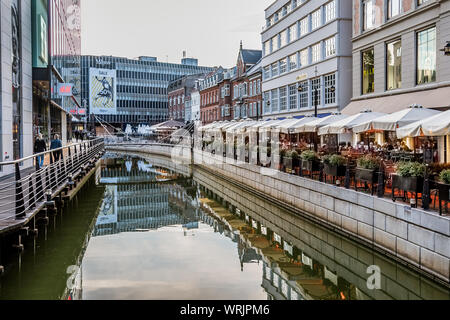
34, 184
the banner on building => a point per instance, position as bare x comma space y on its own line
102, 88
108, 210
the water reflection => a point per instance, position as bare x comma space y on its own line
258, 261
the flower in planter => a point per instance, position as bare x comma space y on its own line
444, 176
334, 160
368, 162
309, 155
411, 169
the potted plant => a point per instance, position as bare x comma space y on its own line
444, 187
335, 165
409, 178
366, 171
291, 161
310, 161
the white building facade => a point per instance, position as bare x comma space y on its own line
307, 44
16, 81
195, 105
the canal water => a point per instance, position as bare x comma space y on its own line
148, 229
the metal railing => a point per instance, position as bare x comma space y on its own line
29, 188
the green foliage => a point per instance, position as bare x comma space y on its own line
410, 169
445, 176
368, 162
309, 155
292, 154
334, 160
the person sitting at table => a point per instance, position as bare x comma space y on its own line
404, 147
361, 146
323, 149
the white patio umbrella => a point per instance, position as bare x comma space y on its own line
437, 125
313, 126
298, 123
259, 124
345, 125
396, 120
268, 126
243, 126
209, 125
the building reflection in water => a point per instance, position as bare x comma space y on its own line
140, 197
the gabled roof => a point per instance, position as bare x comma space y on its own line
255, 69
251, 56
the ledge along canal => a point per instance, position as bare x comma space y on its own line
139, 230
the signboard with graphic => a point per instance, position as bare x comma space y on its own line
102, 88
108, 210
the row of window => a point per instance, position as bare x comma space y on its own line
210, 97
287, 8
245, 89
173, 101
372, 12
250, 110
141, 90
290, 98
302, 58
141, 104
135, 118
301, 28
425, 64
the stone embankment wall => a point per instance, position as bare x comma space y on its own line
418, 237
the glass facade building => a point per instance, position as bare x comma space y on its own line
141, 87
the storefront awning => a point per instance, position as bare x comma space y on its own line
437, 125
435, 98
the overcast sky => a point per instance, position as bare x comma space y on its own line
209, 30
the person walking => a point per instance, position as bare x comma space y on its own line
56, 144
39, 147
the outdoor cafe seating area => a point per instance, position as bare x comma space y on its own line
403, 156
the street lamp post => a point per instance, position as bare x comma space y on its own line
447, 49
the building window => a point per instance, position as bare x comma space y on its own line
267, 47
330, 94
304, 26
330, 11
293, 32
293, 97
266, 72
426, 56
275, 69
283, 99
315, 53
293, 62
394, 8
283, 66
258, 87
420, 2
330, 47
266, 103
394, 65
275, 45
316, 19
303, 94
274, 102
283, 38
368, 72
304, 57
315, 84
368, 14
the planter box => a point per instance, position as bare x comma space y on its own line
411, 184
366, 175
310, 166
406, 184
335, 171
444, 194
290, 164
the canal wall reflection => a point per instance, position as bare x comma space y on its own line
300, 260
332, 257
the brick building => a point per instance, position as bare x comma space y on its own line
209, 96
179, 95
246, 84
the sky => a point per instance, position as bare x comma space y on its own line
209, 30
